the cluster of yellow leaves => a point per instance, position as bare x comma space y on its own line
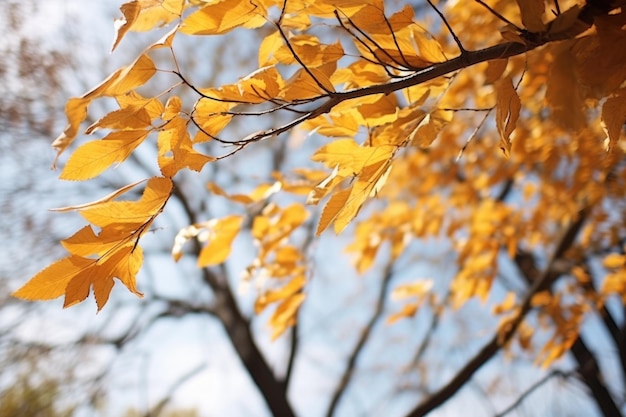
565, 318
558, 114
97, 258
279, 266
418, 292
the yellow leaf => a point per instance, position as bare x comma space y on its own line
130, 11
270, 44
350, 157
412, 289
324, 187
132, 117
508, 109
285, 315
127, 267
131, 77
238, 198
408, 310
51, 282
176, 150
222, 233
129, 214
614, 260
120, 82
327, 9
302, 85
172, 108
429, 49
223, 16
335, 204
382, 111
532, 14
614, 115
122, 263
506, 305
157, 13
86, 243
495, 69
368, 183
104, 199
209, 115
93, 158
309, 50
429, 127
279, 294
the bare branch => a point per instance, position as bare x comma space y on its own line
445, 21
531, 389
498, 15
158, 408
302, 64
237, 327
499, 340
363, 338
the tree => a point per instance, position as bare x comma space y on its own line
492, 130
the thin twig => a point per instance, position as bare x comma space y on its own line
503, 337
531, 389
302, 64
363, 338
445, 22
498, 15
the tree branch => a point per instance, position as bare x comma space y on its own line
237, 327
501, 339
592, 377
587, 363
363, 338
531, 389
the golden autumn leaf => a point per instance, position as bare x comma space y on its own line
285, 315
93, 158
508, 106
130, 214
614, 115
506, 305
220, 236
104, 199
130, 11
176, 150
157, 13
223, 16
120, 82
283, 293
333, 207
532, 14
51, 282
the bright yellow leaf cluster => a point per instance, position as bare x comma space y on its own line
493, 139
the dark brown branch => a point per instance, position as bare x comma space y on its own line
360, 344
238, 329
587, 364
430, 333
160, 406
532, 389
371, 50
501, 339
302, 64
445, 21
592, 377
